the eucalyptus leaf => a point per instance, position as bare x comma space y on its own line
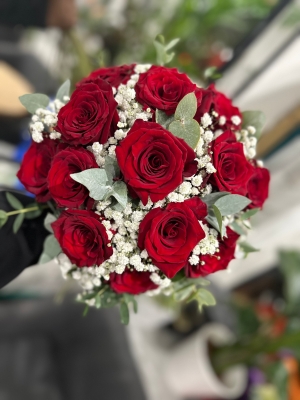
50, 218
163, 119
232, 204
95, 180
160, 39
248, 214
205, 298
183, 293
211, 198
254, 118
63, 91
128, 298
124, 313
169, 57
3, 218
112, 169
212, 220
172, 44
13, 201
187, 107
247, 248
218, 216
34, 101
119, 192
18, 222
237, 228
212, 73
189, 131
51, 249
160, 53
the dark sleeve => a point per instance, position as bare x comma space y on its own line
23, 12
19, 251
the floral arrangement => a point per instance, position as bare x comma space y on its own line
149, 179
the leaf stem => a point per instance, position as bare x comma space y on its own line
26, 210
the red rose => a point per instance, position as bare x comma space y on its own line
258, 187
132, 282
162, 88
64, 190
233, 169
154, 161
35, 167
112, 75
90, 115
205, 99
217, 261
169, 235
82, 237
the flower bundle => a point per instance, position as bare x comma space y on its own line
150, 179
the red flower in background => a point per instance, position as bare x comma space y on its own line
35, 167
233, 169
64, 190
258, 187
163, 88
132, 282
90, 115
153, 161
82, 237
218, 261
169, 235
112, 75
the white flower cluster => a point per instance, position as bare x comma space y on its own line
45, 120
208, 245
246, 136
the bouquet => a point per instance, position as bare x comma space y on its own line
149, 180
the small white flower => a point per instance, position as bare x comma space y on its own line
197, 180
120, 134
185, 188
251, 130
76, 275
144, 254
236, 120
206, 120
96, 282
112, 150
119, 269
222, 120
208, 136
210, 168
194, 260
55, 135
135, 260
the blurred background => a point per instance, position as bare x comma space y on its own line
47, 350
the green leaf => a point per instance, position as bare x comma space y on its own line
200, 281
124, 313
248, 214
51, 250
18, 222
187, 107
50, 218
254, 118
63, 91
112, 169
172, 44
219, 218
163, 119
183, 293
160, 39
232, 204
205, 298
3, 218
98, 301
34, 101
160, 53
189, 131
212, 220
119, 192
212, 73
247, 248
237, 228
85, 311
13, 201
131, 299
35, 213
95, 180
211, 198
